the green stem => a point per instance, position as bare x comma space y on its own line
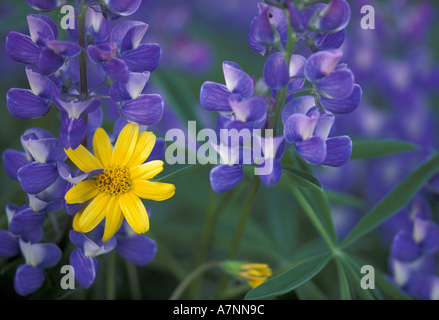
196, 272
313, 217
233, 250
133, 279
83, 61
111, 276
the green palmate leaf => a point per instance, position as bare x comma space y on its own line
342, 198
364, 149
290, 279
298, 178
395, 200
185, 171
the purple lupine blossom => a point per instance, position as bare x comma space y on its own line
83, 258
41, 50
308, 129
124, 53
333, 82
29, 277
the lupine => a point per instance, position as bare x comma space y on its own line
114, 62
307, 120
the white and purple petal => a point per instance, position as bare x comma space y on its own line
338, 85
297, 105
45, 5
21, 48
146, 57
342, 106
215, 97
138, 249
36, 177
49, 62
249, 110
75, 109
117, 69
24, 104
72, 132
103, 52
299, 127
426, 234
313, 150
276, 71
64, 48
404, 248
146, 109
274, 176
322, 64
334, 17
224, 177
41, 28
237, 81
132, 38
14, 160
324, 125
121, 91
43, 150
338, 151
28, 279
9, 246
26, 220
85, 268
123, 7
41, 85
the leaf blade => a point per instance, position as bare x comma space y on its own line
395, 200
366, 149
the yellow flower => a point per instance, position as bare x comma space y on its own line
115, 193
254, 273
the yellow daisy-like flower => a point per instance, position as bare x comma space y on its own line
115, 193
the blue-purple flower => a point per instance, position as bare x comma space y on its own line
308, 129
41, 49
30, 276
125, 53
333, 83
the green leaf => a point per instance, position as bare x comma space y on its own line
290, 279
298, 178
395, 200
364, 149
354, 272
345, 291
184, 172
342, 198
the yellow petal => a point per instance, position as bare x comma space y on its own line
113, 219
134, 212
102, 146
144, 146
82, 192
125, 144
147, 170
157, 191
76, 219
83, 159
94, 213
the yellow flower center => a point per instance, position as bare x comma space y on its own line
114, 180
